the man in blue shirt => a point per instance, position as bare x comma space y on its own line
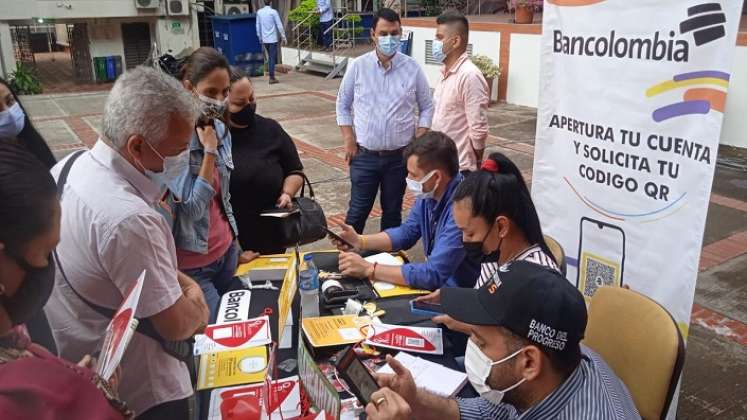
433, 168
269, 29
524, 355
384, 101
324, 9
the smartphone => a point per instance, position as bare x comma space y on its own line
425, 308
356, 375
601, 256
338, 237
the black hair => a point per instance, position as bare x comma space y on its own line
564, 362
29, 137
27, 195
388, 15
268, 2
201, 63
237, 74
435, 150
503, 193
454, 18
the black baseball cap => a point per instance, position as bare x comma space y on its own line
532, 301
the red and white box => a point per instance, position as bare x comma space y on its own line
253, 402
411, 339
234, 336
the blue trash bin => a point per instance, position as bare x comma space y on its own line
111, 68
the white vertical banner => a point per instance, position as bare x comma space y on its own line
632, 98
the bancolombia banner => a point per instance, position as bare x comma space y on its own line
631, 103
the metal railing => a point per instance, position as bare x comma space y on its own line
343, 34
303, 36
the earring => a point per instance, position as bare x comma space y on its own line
2, 289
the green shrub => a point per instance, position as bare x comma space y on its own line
24, 80
308, 7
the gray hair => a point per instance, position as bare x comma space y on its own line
140, 103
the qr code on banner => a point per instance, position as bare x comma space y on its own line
598, 273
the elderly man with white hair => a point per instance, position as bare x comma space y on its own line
111, 230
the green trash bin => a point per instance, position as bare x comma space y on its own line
99, 66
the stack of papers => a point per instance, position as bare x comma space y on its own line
334, 330
384, 289
398, 337
224, 368
119, 332
431, 376
251, 402
234, 336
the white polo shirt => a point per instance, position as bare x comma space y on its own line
110, 232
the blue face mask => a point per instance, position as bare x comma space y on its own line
12, 121
173, 168
437, 51
388, 45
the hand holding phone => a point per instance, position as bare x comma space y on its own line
341, 243
419, 307
359, 380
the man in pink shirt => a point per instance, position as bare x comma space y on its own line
461, 95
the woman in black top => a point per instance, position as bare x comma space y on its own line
15, 123
266, 168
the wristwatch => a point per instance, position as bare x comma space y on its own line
212, 150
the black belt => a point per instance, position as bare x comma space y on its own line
399, 151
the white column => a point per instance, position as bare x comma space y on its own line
7, 58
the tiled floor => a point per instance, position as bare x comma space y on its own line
715, 375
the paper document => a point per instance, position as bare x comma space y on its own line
334, 330
416, 339
384, 258
431, 376
234, 335
232, 367
120, 331
249, 402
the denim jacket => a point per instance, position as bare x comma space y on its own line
191, 216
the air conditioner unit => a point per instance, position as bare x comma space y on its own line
235, 9
177, 7
146, 4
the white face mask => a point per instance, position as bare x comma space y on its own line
12, 121
478, 367
212, 108
173, 168
417, 186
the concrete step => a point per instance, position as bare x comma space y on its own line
317, 68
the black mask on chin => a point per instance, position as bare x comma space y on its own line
32, 294
245, 116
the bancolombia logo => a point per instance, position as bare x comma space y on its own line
655, 48
707, 26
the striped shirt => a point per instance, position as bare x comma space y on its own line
533, 254
382, 104
592, 392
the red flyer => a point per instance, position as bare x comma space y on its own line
412, 339
234, 336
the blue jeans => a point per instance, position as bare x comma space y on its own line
325, 39
272, 57
215, 279
368, 171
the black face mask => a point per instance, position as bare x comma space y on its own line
33, 293
245, 116
475, 252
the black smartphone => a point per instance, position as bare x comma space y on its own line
425, 308
337, 237
356, 375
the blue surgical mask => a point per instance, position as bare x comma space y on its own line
12, 121
437, 51
173, 168
388, 45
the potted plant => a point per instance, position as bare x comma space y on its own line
524, 10
490, 70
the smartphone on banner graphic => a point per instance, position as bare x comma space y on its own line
601, 256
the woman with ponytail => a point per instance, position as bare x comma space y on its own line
499, 224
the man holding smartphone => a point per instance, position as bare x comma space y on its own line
524, 355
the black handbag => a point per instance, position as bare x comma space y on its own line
307, 224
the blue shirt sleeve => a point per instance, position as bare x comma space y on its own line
279, 25
443, 261
406, 235
479, 408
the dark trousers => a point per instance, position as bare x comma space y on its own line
177, 410
272, 57
325, 39
215, 279
368, 171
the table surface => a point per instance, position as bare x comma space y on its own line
397, 310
